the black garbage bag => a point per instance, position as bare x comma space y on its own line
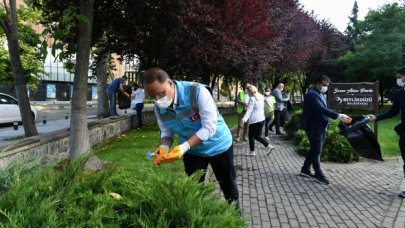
123, 101
361, 138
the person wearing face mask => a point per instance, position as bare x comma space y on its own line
188, 109
315, 121
398, 106
255, 117
279, 107
269, 102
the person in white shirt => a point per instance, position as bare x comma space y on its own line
255, 117
137, 104
187, 109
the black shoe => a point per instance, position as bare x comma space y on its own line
306, 173
322, 179
402, 194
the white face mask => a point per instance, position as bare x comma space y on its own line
324, 89
400, 82
267, 93
163, 102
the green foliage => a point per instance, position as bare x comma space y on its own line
29, 51
152, 196
336, 148
293, 124
224, 92
380, 47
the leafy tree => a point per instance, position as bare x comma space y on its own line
9, 24
70, 25
352, 28
380, 49
325, 61
29, 51
79, 132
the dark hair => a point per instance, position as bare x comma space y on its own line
135, 85
154, 74
401, 71
321, 78
124, 77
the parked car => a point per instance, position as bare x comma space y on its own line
10, 110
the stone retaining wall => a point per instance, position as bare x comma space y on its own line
54, 146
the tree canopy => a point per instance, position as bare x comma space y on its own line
196, 39
380, 48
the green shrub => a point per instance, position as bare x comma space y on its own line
70, 197
293, 124
302, 141
336, 148
224, 92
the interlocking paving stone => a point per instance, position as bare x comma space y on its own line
361, 194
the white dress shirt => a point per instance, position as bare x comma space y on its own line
139, 95
255, 111
208, 113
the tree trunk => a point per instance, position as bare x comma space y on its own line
101, 72
79, 132
213, 81
11, 30
218, 89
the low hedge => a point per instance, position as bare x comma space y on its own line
115, 197
336, 148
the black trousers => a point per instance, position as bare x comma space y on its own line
224, 170
402, 147
276, 121
314, 156
255, 132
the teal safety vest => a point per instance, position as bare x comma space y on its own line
186, 121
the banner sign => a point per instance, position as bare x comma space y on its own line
361, 96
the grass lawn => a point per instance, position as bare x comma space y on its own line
129, 150
387, 137
129, 192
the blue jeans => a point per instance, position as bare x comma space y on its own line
111, 101
314, 156
267, 123
138, 108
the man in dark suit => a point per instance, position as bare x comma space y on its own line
315, 121
397, 106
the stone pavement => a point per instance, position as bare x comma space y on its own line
362, 194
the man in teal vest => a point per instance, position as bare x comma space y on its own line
187, 108
242, 101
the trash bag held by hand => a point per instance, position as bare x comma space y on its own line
361, 137
124, 102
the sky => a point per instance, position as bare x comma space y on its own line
338, 11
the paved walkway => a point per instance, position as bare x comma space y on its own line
362, 194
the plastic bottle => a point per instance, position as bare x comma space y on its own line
149, 155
